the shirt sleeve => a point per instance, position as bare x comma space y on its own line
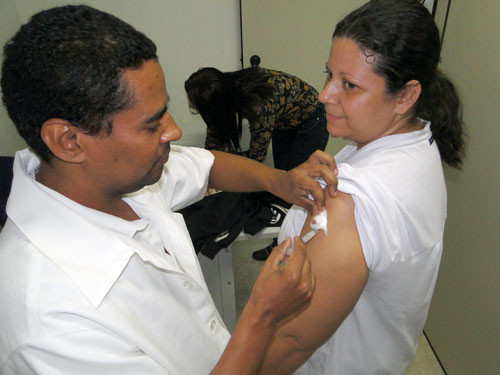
261, 130
380, 219
92, 351
386, 237
185, 176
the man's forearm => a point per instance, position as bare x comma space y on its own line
247, 346
239, 174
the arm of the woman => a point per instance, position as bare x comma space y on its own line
261, 129
341, 274
260, 137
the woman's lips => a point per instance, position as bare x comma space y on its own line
331, 117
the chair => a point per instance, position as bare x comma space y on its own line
6, 175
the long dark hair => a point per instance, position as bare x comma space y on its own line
403, 40
225, 99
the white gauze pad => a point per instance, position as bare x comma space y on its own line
320, 221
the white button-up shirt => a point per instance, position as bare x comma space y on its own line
84, 292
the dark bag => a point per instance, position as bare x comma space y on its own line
215, 221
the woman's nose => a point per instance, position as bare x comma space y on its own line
171, 131
329, 94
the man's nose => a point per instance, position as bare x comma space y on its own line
171, 131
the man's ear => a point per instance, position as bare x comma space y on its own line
408, 97
62, 139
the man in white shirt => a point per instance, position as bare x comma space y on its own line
97, 272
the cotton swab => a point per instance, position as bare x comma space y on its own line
319, 222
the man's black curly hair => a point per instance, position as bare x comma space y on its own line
67, 63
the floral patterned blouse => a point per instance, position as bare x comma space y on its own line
293, 102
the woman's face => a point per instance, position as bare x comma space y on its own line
356, 103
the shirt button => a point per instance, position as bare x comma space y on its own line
212, 324
187, 284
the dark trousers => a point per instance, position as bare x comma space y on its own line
292, 147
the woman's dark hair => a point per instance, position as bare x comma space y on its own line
402, 40
224, 99
67, 62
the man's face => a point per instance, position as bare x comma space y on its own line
132, 156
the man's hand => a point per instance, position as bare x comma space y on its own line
283, 289
295, 185
280, 290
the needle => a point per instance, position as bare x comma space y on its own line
306, 238
318, 223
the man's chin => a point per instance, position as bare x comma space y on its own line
151, 179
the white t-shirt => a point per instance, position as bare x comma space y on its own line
84, 292
399, 193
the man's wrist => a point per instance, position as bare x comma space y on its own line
259, 318
273, 182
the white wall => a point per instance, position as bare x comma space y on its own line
464, 320
189, 34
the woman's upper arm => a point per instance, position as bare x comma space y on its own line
341, 274
260, 137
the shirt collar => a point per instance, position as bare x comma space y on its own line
82, 233
393, 140
99, 218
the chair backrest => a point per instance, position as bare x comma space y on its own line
6, 163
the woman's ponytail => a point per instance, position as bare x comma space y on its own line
440, 104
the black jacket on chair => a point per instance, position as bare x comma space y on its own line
215, 221
6, 175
